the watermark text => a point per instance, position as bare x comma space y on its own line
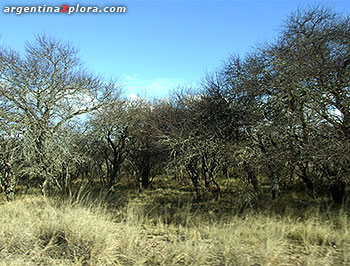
63, 9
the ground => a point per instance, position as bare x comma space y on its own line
165, 226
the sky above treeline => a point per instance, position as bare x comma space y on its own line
156, 46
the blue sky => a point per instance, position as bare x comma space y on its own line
156, 45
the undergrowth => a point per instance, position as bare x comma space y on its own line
168, 227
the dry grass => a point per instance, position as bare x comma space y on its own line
38, 231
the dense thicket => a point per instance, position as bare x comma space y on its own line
276, 120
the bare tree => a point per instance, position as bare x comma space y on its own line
46, 89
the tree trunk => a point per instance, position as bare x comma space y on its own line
252, 177
11, 187
194, 178
45, 188
7, 180
145, 177
337, 190
112, 178
305, 177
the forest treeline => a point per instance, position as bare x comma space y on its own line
277, 120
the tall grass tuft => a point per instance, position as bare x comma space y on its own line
81, 229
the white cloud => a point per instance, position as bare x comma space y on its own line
133, 97
137, 85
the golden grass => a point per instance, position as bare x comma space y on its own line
42, 231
